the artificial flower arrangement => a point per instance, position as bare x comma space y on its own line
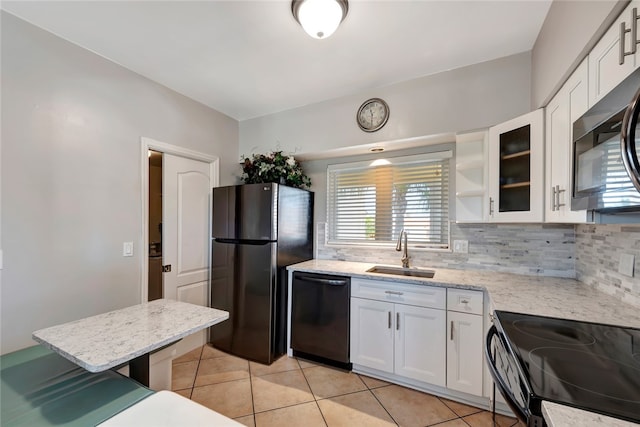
273, 167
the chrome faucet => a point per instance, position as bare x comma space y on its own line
405, 255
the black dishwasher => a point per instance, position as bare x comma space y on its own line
320, 318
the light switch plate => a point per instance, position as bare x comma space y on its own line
461, 246
127, 249
626, 264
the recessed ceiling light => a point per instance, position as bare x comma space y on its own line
380, 162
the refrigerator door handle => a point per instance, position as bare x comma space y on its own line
243, 242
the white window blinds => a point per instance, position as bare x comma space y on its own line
371, 204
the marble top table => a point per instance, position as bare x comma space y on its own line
112, 339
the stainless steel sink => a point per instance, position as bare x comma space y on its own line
399, 271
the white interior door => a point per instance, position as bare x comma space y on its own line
185, 204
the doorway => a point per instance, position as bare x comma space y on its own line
154, 228
177, 186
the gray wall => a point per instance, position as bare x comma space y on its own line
570, 30
71, 128
465, 98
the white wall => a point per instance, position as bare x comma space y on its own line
71, 128
465, 98
569, 32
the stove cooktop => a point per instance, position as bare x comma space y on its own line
591, 366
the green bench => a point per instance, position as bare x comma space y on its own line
41, 388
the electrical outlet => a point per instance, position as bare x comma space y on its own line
626, 264
461, 246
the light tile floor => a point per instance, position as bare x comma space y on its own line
295, 392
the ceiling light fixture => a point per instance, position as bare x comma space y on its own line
380, 162
319, 18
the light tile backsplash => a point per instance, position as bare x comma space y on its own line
589, 253
598, 251
531, 249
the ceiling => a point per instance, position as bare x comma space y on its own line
251, 58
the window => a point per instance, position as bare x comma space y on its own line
370, 203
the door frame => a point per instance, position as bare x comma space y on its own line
147, 144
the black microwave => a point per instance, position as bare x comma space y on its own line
605, 156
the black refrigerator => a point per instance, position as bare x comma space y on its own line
257, 230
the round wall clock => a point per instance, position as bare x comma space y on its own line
372, 114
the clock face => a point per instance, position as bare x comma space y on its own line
372, 115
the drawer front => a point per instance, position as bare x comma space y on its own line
419, 295
465, 301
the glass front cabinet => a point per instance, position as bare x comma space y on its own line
516, 169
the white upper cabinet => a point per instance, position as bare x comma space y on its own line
471, 177
516, 169
567, 106
605, 70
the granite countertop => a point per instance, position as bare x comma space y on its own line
564, 416
111, 339
543, 296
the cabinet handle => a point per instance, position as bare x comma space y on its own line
490, 206
634, 36
553, 198
389, 313
464, 301
451, 337
394, 292
558, 191
397, 321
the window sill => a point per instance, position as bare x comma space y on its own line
411, 248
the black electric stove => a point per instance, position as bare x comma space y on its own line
590, 366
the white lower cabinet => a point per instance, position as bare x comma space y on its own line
464, 352
399, 329
400, 339
465, 332
419, 344
425, 337
372, 334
